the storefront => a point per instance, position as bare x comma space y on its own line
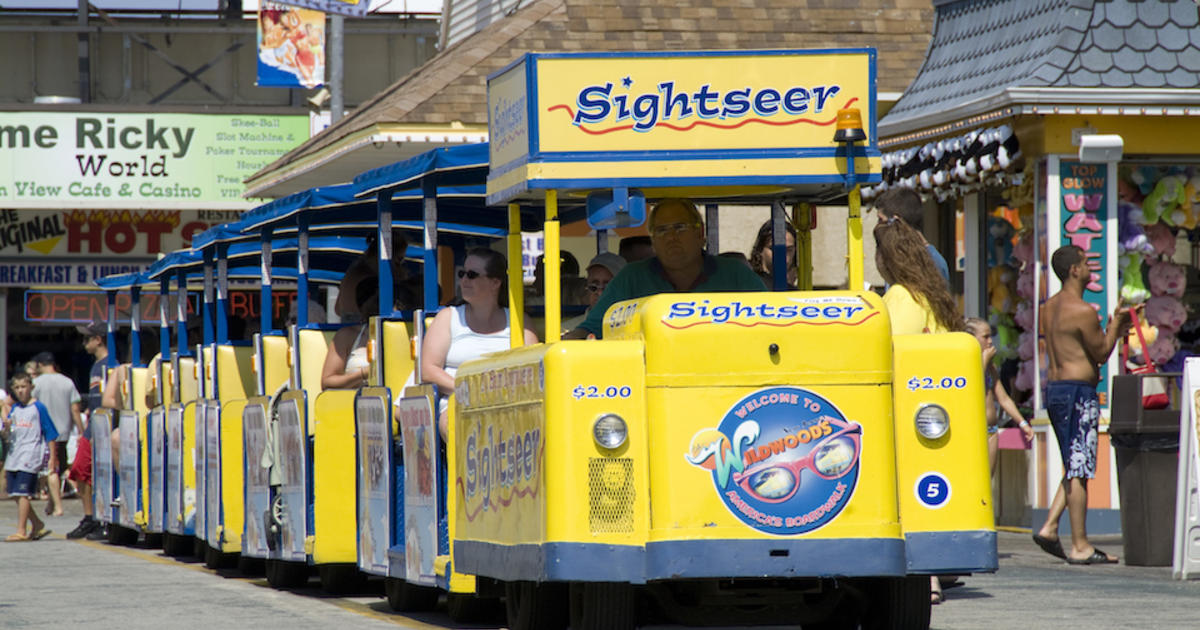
85, 194
996, 145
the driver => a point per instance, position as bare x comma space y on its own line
679, 265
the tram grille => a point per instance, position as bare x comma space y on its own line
610, 495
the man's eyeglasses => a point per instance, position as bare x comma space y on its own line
778, 481
468, 273
673, 228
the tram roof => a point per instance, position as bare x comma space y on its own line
142, 278
457, 165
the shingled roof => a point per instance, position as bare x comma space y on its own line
451, 89
982, 49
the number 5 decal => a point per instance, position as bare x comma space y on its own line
932, 490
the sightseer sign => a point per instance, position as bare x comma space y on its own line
88, 160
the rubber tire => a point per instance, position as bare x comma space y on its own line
603, 606
175, 545
153, 541
900, 604
216, 559
284, 574
250, 566
534, 606
198, 546
123, 536
405, 597
340, 579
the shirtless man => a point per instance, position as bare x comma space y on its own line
1076, 346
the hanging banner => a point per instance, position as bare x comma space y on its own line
144, 160
1083, 215
291, 46
348, 8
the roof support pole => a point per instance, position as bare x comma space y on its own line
553, 269
854, 245
516, 281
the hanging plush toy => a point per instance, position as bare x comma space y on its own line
1163, 348
1191, 203
1024, 380
1163, 201
1000, 241
1131, 237
1166, 312
1024, 316
1134, 342
1167, 278
1144, 178
1001, 284
1160, 239
1133, 286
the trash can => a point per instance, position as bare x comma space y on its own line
1147, 448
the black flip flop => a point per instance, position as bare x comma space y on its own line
1052, 546
1097, 557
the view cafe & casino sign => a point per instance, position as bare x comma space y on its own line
86, 194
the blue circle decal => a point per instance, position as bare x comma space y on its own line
933, 490
784, 460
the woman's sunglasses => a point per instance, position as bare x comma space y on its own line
468, 273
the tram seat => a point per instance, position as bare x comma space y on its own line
334, 535
235, 373
273, 363
396, 350
312, 344
187, 379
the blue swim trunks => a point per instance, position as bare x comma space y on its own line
1074, 411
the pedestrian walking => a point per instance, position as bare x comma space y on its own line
28, 425
81, 469
58, 394
1076, 345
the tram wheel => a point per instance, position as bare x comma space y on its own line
284, 574
602, 606
217, 559
534, 606
900, 604
153, 541
250, 566
175, 545
198, 546
124, 536
471, 608
339, 579
405, 597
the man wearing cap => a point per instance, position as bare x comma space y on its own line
58, 394
600, 271
679, 265
94, 335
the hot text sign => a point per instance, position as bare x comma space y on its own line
145, 160
705, 113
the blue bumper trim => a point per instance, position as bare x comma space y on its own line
684, 559
951, 552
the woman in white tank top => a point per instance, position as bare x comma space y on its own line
462, 333
346, 364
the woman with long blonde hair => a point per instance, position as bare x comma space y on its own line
917, 297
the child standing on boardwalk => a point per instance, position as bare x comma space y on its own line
29, 426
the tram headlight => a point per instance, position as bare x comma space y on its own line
932, 421
610, 431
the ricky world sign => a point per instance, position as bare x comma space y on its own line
93, 133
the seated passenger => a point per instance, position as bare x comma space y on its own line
346, 363
600, 271
917, 298
762, 255
461, 333
679, 265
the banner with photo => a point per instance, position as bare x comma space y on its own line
291, 46
348, 8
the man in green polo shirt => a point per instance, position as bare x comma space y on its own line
679, 265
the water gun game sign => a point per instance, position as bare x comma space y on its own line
761, 120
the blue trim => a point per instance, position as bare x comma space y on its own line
832, 179
683, 559
705, 154
535, 131
512, 64
588, 562
951, 552
876, 557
